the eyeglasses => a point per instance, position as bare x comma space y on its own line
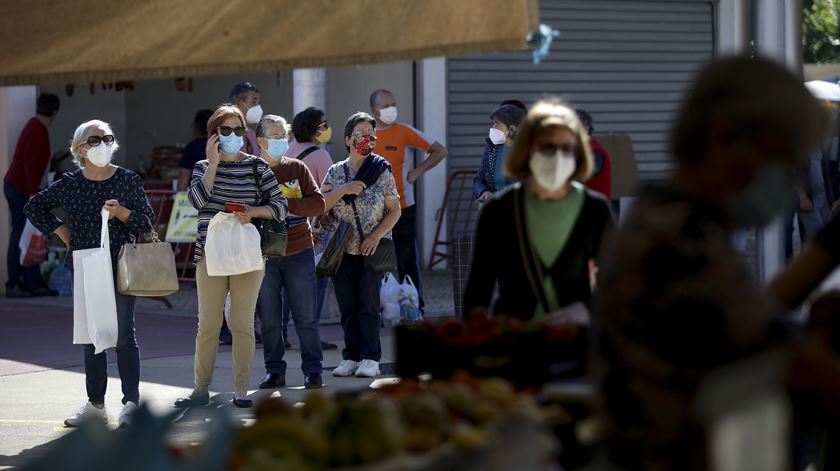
324, 125
226, 130
364, 133
94, 141
552, 150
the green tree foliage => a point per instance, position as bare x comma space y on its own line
821, 31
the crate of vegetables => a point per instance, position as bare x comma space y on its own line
527, 353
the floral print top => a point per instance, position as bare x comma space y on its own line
370, 203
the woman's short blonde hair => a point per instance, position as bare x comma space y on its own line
81, 135
218, 117
548, 113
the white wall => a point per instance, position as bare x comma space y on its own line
17, 106
349, 89
159, 114
107, 105
431, 99
156, 113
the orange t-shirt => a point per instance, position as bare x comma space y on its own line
395, 144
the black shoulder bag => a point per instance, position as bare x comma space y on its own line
273, 235
384, 259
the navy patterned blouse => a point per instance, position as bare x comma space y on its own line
82, 200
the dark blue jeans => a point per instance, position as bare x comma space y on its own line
405, 245
128, 358
320, 296
357, 293
26, 278
295, 273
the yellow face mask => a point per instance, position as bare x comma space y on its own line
325, 136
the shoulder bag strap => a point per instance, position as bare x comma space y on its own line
533, 267
258, 177
306, 152
353, 205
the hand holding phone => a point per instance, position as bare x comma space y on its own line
212, 149
231, 207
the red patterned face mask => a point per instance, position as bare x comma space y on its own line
365, 145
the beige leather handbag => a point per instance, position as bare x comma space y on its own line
147, 269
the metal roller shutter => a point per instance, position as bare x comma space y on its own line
626, 62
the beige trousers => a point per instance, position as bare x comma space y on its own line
212, 291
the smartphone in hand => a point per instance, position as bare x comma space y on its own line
234, 207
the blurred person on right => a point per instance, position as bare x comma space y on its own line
675, 303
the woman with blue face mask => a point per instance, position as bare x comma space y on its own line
295, 272
228, 176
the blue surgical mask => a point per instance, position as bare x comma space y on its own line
277, 148
766, 197
231, 143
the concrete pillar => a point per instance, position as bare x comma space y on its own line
431, 118
732, 26
778, 35
309, 89
17, 105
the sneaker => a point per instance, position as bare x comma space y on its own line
368, 369
127, 414
346, 368
86, 412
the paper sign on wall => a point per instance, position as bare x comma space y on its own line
183, 222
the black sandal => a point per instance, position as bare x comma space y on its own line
192, 401
242, 403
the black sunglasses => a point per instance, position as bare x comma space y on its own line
226, 130
94, 141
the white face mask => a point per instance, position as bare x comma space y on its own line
100, 155
388, 115
552, 171
497, 136
254, 114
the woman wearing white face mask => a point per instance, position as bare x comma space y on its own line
83, 194
538, 239
491, 178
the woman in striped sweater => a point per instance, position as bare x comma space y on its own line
227, 176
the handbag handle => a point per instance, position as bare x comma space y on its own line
155, 237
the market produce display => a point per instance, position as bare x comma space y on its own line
399, 426
527, 353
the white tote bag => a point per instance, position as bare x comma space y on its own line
94, 302
231, 248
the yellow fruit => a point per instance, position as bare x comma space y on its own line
421, 440
468, 437
496, 389
425, 410
485, 411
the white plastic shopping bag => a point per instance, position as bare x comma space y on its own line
409, 301
232, 248
94, 302
389, 290
33, 246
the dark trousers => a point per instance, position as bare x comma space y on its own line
294, 276
405, 243
128, 358
357, 293
26, 278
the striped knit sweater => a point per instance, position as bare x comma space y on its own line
234, 183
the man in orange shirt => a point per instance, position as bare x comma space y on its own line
395, 142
